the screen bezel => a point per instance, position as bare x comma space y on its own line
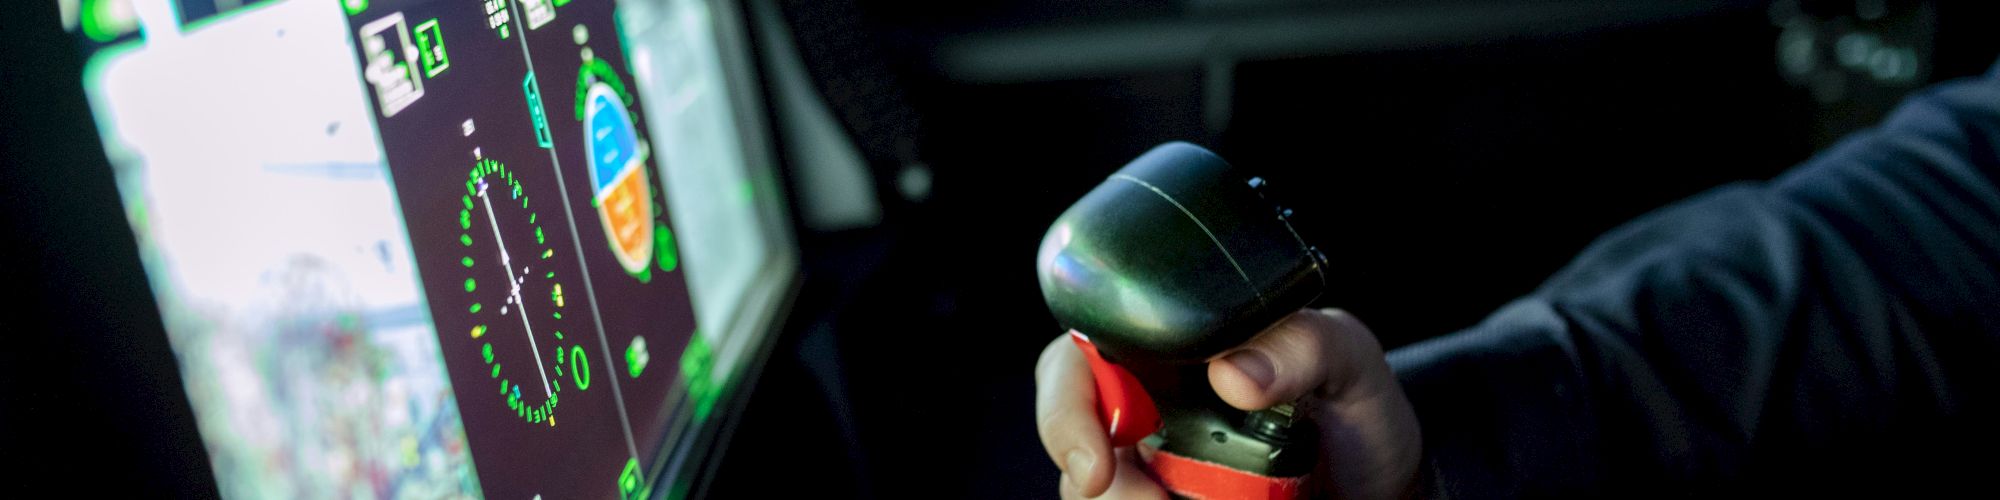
777, 283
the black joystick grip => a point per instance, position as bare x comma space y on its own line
1172, 260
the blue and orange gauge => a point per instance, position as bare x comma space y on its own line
623, 191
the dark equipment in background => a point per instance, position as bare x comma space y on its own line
1452, 153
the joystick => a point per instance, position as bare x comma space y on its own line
1173, 260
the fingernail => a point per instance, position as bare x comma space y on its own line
1079, 467
1255, 365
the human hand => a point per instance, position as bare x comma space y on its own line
1369, 441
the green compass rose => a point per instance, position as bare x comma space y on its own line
501, 232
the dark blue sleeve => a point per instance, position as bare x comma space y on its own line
1835, 330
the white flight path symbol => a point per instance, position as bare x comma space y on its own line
514, 287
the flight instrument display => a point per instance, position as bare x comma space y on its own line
434, 248
541, 236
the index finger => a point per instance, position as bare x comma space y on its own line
1066, 417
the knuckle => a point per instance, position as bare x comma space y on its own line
1049, 425
1061, 429
1301, 345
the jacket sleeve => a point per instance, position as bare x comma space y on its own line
1836, 328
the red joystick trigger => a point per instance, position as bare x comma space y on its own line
1123, 406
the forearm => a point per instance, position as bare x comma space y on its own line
1741, 332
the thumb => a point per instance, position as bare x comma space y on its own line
1370, 442
1321, 353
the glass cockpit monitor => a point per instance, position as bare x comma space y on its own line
446, 248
